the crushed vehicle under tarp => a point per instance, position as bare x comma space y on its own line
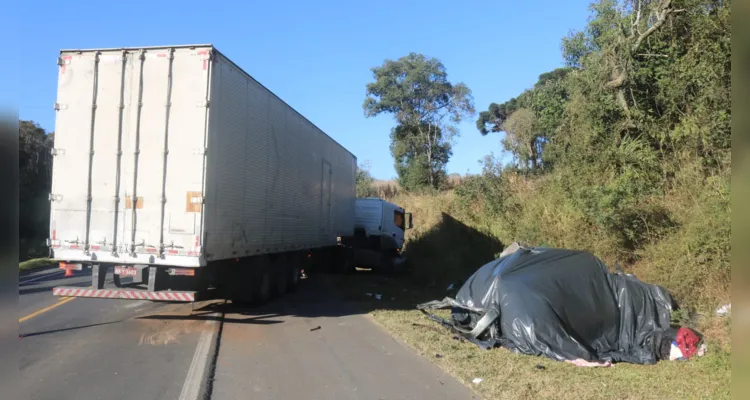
564, 304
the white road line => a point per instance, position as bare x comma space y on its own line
191, 389
40, 277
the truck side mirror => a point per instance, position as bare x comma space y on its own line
409, 225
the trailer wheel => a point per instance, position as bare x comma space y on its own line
236, 283
263, 286
282, 279
294, 278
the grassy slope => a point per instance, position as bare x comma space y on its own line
35, 263
444, 250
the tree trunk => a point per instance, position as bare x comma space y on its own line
532, 153
429, 157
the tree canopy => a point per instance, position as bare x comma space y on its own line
427, 108
630, 139
35, 182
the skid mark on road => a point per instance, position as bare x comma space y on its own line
163, 333
169, 324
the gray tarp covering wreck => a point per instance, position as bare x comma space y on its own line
564, 304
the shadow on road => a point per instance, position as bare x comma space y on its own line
448, 253
73, 328
251, 318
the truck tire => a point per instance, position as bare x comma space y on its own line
281, 280
263, 284
345, 261
236, 284
294, 278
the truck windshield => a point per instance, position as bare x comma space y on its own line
399, 220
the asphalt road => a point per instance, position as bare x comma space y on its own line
306, 345
100, 348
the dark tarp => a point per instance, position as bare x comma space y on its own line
564, 304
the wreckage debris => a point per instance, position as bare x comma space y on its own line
568, 306
583, 363
724, 310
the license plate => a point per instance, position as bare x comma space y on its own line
125, 271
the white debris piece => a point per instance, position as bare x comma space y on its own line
724, 310
477, 381
674, 352
378, 296
450, 287
702, 350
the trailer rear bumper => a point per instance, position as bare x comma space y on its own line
126, 294
187, 260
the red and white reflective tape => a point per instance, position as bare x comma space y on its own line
124, 294
66, 61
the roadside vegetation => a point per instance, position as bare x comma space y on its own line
35, 263
624, 152
35, 183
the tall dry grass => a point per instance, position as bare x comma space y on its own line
386, 189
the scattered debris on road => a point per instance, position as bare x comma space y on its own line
530, 298
317, 328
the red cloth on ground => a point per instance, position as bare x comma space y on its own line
687, 341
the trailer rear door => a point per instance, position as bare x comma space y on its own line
129, 155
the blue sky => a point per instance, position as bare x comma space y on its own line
316, 55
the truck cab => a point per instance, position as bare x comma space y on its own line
382, 222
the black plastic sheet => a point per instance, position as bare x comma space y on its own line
563, 304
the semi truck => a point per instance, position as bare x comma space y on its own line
187, 179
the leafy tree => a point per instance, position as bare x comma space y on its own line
364, 182
522, 137
494, 118
427, 107
35, 182
414, 168
536, 113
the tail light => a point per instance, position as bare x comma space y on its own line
181, 271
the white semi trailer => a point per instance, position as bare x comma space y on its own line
174, 167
